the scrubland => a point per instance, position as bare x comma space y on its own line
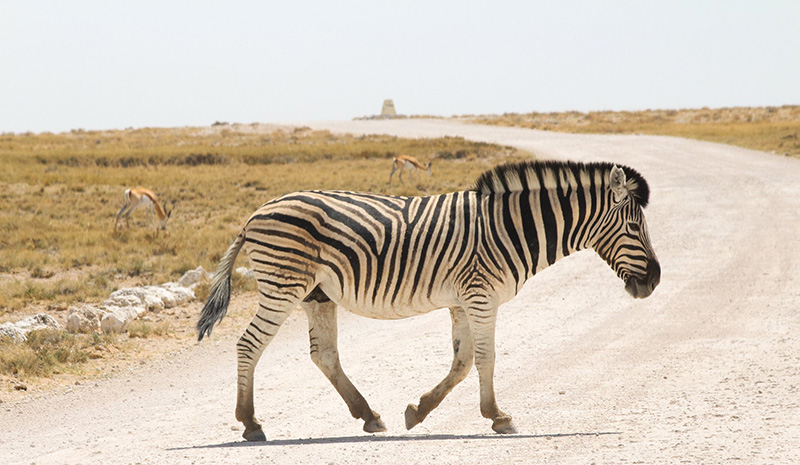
60, 194
771, 129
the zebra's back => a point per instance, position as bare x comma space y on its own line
379, 256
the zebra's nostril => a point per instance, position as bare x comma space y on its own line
653, 274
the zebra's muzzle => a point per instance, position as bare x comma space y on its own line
640, 287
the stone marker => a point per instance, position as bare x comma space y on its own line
388, 110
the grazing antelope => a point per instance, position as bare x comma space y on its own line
391, 257
407, 162
142, 197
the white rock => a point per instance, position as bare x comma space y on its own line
179, 294
243, 271
8, 330
156, 298
122, 306
114, 322
18, 331
84, 318
126, 297
127, 304
194, 277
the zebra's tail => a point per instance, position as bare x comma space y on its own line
217, 303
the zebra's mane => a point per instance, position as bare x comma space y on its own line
532, 175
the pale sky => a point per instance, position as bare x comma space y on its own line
116, 64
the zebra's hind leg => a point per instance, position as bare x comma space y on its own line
462, 363
482, 321
322, 333
271, 314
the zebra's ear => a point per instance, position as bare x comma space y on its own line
616, 179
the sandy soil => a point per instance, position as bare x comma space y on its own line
707, 370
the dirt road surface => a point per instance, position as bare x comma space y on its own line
706, 370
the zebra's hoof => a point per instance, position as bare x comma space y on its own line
375, 425
255, 435
504, 425
412, 417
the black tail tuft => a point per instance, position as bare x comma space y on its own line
217, 303
215, 308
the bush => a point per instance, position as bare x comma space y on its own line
47, 352
144, 329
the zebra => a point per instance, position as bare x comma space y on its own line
390, 257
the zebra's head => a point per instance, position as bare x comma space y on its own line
622, 240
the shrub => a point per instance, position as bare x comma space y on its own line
47, 352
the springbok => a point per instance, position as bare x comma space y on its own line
143, 197
407, 162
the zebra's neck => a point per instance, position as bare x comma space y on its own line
531, 230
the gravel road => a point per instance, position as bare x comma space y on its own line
706, 370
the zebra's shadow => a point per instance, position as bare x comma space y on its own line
397, 438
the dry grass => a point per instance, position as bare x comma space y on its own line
144, 329
61, 192
771, 129
48, 352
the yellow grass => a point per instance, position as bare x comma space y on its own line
771, 129
144, 329
61, 192
48, 352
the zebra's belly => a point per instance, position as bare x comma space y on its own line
382, 312
386, 313
391, 308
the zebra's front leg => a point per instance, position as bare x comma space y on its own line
482, 322
251, 345
462, 362
322, 333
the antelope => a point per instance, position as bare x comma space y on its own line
142, 197
407, 162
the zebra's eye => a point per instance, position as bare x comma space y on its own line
633, 227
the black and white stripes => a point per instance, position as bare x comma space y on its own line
393, 257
